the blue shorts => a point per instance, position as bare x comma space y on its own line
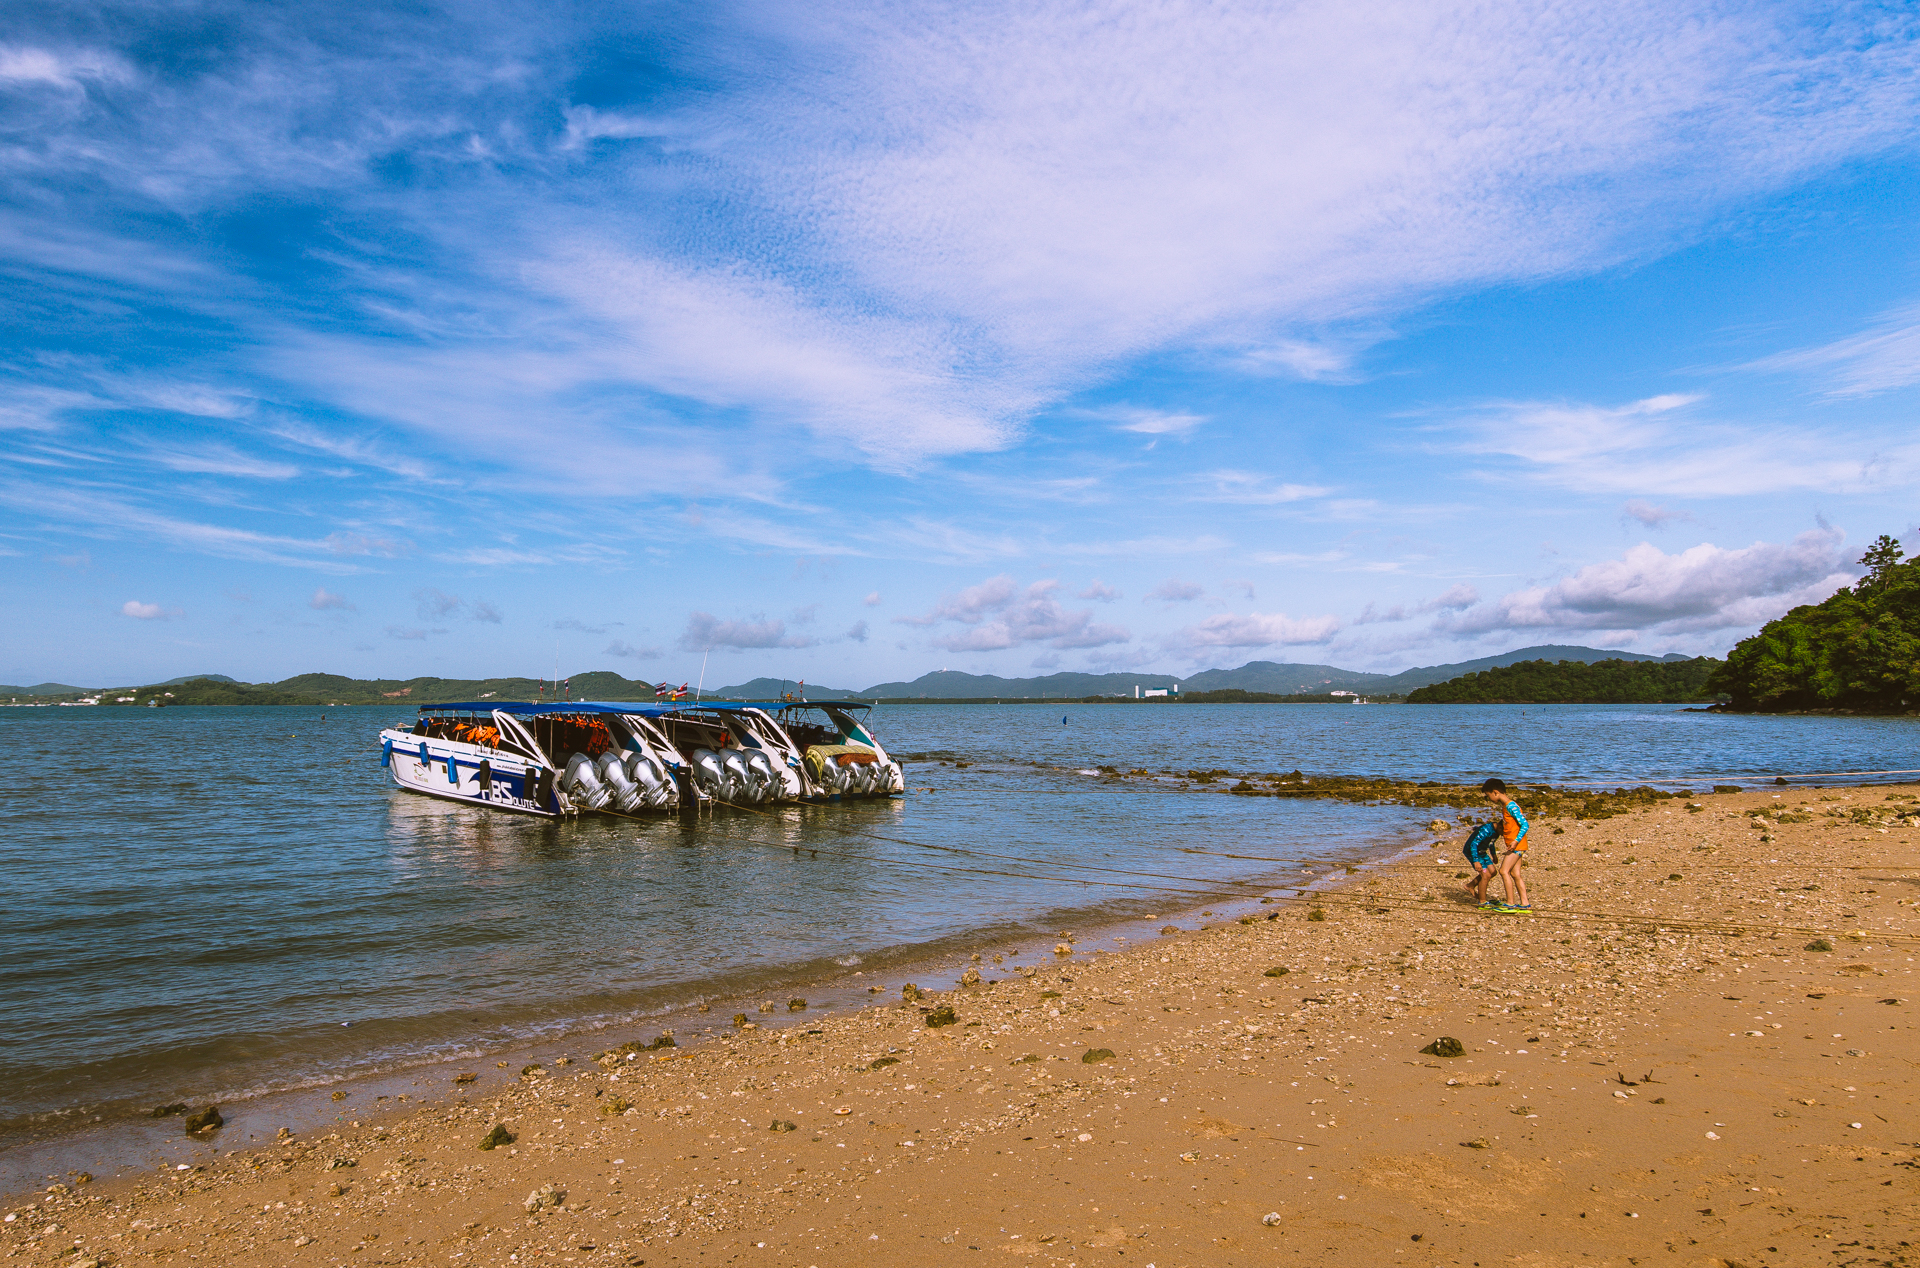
1483, 846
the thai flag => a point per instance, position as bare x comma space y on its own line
662, 689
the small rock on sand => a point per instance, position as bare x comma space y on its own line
1445, 1046
497, 1137
1271, 1219
1093, 1056
547, 1195
942, 1016
205, 1121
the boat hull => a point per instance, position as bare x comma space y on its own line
471, 774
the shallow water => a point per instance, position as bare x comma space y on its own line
211, 903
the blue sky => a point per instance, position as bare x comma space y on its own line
850, 345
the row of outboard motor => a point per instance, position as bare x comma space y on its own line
626, 781
633, 781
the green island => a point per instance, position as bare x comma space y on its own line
1856, 652
1576, 682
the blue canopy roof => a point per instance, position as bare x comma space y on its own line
525, 708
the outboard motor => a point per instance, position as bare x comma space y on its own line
764, 775
741, 785
582, 783
707, 772
626, 794
896, 779
649, 778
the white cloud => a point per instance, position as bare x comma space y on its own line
585, 125
1885, 357
1453, 599
1702, 588
1310, 361
435, 604
872, 600
1100, 592
148, 611
1147, 422
1174, 590
1002, 615
1652, 516
705, 631
325, 600
628, 650
857, 632
220, 460
1254, 488
65, 69
1256, 629
1661, 445
901, 230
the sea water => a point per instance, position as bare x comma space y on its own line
212, 904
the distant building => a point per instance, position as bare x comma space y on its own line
1147, 693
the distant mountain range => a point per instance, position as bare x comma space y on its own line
1261, 675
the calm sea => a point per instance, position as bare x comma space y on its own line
208, 904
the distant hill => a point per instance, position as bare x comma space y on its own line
774, 688
1575, 682
1261, 676
1265, 676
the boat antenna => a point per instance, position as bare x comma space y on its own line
703, 672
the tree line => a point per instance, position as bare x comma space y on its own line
1577, 682
1858, 650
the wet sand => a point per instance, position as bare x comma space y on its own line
1655, 1066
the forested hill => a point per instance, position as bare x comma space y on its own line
1859, 650
1575, 682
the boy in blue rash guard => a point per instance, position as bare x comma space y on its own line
1483, 852
1513, 835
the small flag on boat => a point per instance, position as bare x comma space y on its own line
663, 689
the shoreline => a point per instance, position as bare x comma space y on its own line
126, 1145
1235, 1116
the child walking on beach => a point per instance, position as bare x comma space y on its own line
1483, 855
1513, 836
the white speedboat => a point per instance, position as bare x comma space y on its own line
542, 759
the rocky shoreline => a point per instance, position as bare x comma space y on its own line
1660, 1061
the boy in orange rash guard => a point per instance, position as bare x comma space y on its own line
1513, 835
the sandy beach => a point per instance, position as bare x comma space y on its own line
1660, 1064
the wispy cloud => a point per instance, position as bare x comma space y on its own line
706, 632
140, 611
1253, 630
1174, 590
325, 600
1000, 614
1879, 359
1663, 445
1650, 515
1255, 488
1147, 422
